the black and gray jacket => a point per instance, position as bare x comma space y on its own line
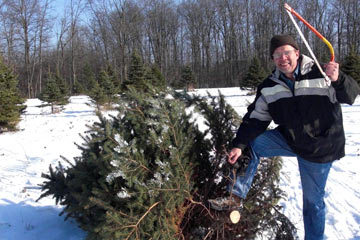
309, 117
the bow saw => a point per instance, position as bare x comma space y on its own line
291, 12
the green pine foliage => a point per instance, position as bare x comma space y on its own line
187, 78
135, 171
55, 92
136, 75
113, 76
107, 83
147, 173
254, 76
88, 78
351, 66
98, 96
78, 88
261, 213
143, 78
103, 91
154, 77
11, 103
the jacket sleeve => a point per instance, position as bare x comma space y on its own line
255, 122
346, 88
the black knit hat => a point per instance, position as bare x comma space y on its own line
281, 40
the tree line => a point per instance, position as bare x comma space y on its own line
216, 39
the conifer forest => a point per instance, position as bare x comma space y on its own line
216, 39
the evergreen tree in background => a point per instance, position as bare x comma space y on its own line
98, 96
254, 76
114, 77
143, 78
103, 91
154, 77
78, 88
187, 78
88, 78
107, 83
55, 92
351, 66
136, 75
11, 104
148, 172
64, 89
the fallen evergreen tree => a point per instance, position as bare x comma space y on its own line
147, 174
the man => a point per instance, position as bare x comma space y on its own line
308, 114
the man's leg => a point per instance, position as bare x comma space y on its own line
269, 144
313, 181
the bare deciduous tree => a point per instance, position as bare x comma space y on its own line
217, 38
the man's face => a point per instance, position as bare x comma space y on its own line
285, 59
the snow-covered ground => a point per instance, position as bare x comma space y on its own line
43, 137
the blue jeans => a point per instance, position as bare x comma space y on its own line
313, 180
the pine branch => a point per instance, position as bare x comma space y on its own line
135, 226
